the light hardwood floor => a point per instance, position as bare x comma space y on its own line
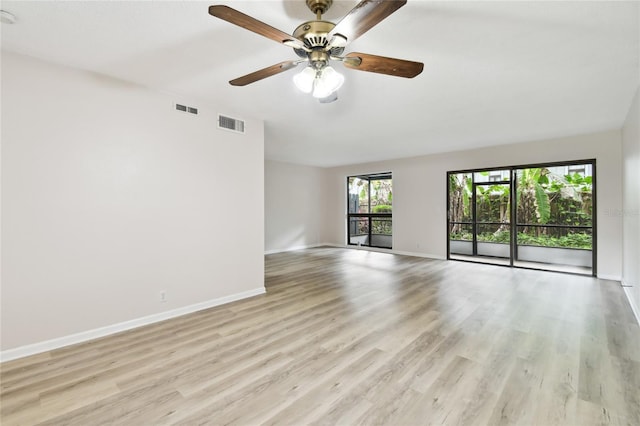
356, 337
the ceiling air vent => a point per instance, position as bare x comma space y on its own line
188, 109
229, 123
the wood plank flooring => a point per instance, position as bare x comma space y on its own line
356, 337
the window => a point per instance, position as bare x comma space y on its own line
576, 168
370, 206
495, 176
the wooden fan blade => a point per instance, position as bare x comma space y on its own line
264, 73
383, 65
364, 16
247, 22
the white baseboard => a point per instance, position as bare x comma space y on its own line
402, 253
610, 277
635, 308
84, 336
417, 254
367, 248
354, 247
625, 283
294, 248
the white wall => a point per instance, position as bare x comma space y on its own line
419, 197
294, 206
110, 196
630, 213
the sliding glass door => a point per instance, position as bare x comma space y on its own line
537, 216
369, 215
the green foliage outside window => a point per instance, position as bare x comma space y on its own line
574, 240
543, 198
382, 208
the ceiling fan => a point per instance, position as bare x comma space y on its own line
319, 42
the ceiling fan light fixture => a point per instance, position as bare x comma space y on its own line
304, 80
338, 40
327, 82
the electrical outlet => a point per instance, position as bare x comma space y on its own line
163, 296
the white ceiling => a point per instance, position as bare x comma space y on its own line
495, 72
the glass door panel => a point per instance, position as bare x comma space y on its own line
555, 217
381, 231
358, 195
492, 224
460, 214
359, 230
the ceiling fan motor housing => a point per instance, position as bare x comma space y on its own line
319, 6
314, 36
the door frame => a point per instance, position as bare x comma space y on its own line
369, 177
